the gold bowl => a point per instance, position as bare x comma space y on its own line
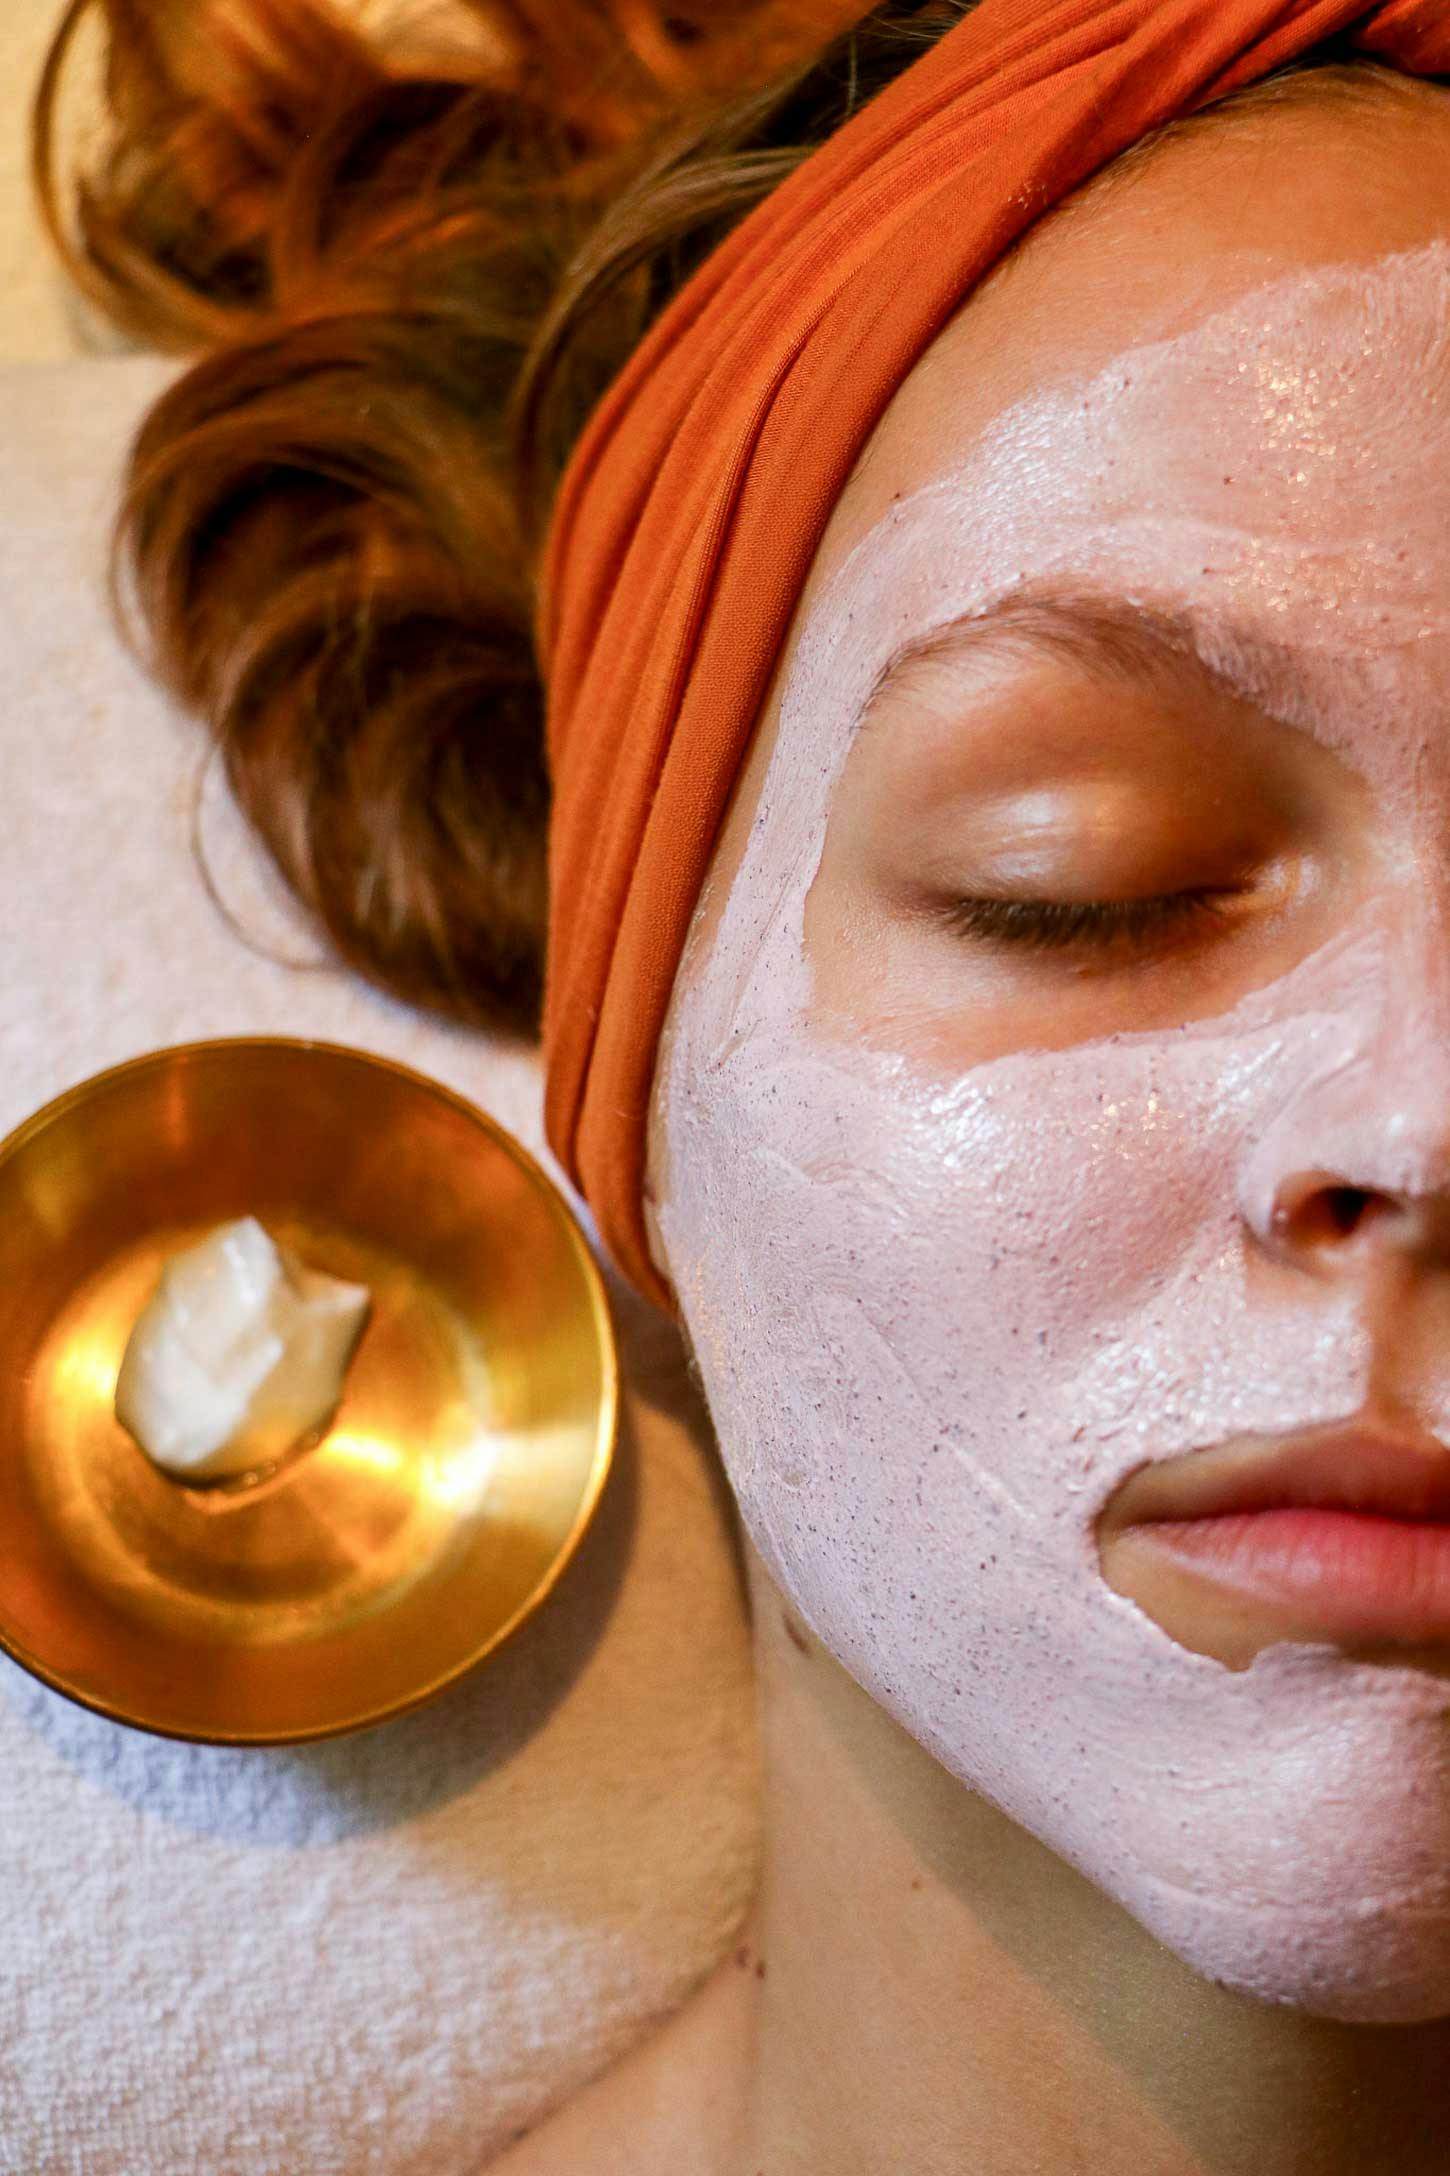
371, 1569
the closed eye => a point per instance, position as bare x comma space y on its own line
1060, 925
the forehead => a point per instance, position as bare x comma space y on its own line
1334, 177
1205, 222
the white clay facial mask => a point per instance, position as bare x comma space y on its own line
949, 1289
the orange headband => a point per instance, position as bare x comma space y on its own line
689, 516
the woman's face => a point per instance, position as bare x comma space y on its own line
1052, 1153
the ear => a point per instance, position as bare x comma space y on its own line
656, 1166
657, 1252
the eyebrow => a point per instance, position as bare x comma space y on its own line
1106, 635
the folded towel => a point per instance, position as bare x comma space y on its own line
384, 1955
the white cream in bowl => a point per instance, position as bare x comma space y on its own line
240, 1354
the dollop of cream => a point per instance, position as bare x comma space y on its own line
241, 1352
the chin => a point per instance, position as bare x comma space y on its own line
1367, 1972
1283, 1831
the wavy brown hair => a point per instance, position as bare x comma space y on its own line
407, 268
406, 275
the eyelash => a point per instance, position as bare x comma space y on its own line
1061, 925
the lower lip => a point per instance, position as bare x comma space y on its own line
1337, 1574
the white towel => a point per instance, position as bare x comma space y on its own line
385, 1955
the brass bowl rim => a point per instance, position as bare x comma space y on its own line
609, 1407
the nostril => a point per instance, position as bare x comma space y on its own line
1346, 1208
1327, 1214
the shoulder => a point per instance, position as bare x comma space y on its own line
673, 2107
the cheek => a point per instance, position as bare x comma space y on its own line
938, 1324
925, 1309
896, 1289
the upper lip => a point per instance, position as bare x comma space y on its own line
1395, 1469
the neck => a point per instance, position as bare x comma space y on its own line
942, 1993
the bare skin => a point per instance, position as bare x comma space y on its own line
924, 1988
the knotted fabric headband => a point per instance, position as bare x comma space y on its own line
689, 516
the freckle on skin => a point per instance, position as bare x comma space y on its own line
742, 1955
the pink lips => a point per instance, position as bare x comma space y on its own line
1340, 1534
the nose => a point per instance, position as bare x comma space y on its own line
1326, 1221
1355, 1169
1349, 1175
